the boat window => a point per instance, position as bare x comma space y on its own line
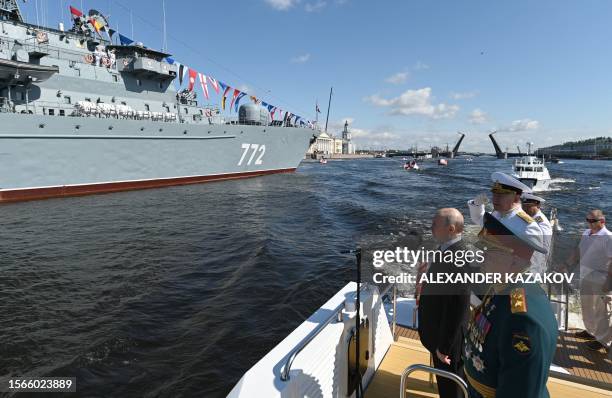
51, 112
186, 111
62, 113
167, 108
88, 99
161, 85
115, 78
201, 112
147, 108
123, 103
67, 100
138, 82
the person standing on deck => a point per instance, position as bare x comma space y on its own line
443, 310
532, 206
595, 251
511, 336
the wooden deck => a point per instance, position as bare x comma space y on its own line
573, 356
407, 350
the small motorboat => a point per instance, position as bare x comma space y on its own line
412, 165
532, 171
442, 162
323, 161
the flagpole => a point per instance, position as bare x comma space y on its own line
317, 111
328, 106
164, 42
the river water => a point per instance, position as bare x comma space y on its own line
178, 291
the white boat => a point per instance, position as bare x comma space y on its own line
531, 171
323, 161
317, 359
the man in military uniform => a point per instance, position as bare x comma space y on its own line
511, 336
507, 192
532, 206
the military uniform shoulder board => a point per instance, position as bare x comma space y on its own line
539, 219
518, 301
525, 217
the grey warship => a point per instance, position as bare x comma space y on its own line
80, 115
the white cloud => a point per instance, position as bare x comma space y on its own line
521, 125
465, 95
300, 59
398, 78
477, 116
282, 5
315, 6
415, 102
420, 66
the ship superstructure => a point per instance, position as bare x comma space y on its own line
81, 115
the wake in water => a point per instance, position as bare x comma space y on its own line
562, 180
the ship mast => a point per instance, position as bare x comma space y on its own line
331, 90
9, 9
164, 41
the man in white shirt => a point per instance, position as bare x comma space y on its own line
595, 251
531, 205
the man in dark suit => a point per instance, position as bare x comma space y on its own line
443, 309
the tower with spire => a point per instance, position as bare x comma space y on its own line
347, 146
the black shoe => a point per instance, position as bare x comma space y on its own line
584, 335
595, 345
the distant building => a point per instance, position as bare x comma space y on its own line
327, 144
593, 147
347, 145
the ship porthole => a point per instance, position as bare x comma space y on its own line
185, 132
42, 126
110, 127
142, 129
242, 132
77, 127
160, 130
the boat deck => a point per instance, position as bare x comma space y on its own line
573, 356
408, 350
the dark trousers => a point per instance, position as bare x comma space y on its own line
446, 387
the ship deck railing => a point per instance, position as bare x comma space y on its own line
40, 107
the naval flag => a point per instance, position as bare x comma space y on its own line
234, 96
75, 13
203, 84
192, 78
214, 84
238, 100
125, 41
225, 91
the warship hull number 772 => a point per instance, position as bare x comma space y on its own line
79, 115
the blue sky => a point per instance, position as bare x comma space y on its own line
403, 72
